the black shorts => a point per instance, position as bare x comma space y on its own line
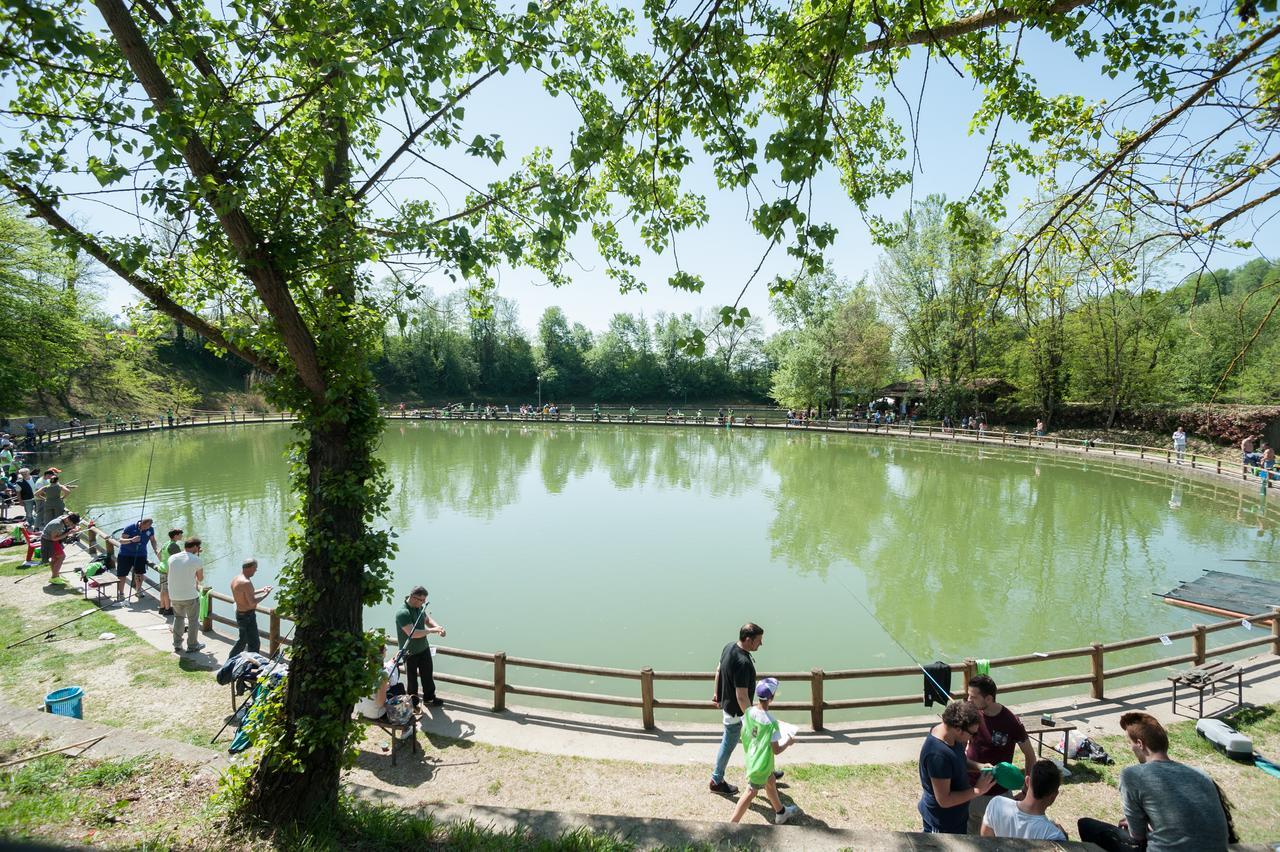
126, 565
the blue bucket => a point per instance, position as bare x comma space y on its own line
68, 701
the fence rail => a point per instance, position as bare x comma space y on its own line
648, 701
1201, 464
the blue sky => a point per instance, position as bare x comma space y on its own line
726, 250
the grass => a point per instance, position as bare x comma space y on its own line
58, 790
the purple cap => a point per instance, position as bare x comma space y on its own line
767, 688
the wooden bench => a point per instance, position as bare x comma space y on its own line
409, 729
1039, 730
1209, 676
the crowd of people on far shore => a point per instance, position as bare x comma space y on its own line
968, 783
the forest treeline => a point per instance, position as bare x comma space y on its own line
1114, 336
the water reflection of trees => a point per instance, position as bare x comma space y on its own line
967, 548
831, 493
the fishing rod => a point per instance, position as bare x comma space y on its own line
142, 513
85, 614
893, 639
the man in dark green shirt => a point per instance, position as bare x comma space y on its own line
413, 626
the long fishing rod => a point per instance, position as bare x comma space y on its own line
142, 513
49, 631
892, 638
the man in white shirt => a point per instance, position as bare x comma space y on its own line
1025, 818
186, 573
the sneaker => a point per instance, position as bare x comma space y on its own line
724, 788
199, 647
177, 649
785, 815
777, 775
435, 702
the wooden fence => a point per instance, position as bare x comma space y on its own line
649, 702
1199, 464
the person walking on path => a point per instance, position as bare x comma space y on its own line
186, 573
51, 542
944, 771
132, 558
247, 600
762, 739
735, 676
413, 626
1168, 806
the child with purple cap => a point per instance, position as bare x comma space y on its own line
762, 739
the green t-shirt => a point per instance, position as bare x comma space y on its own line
407, 617
758, 738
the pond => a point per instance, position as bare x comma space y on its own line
648, 546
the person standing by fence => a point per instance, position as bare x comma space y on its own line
734, 679
1179, 442
186, 573
132, 559
413, 626
247, 600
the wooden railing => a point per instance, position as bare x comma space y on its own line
273, 633
648, 702
1201, 464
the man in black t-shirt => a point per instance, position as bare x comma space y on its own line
735, 678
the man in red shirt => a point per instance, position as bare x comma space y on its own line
1000, 730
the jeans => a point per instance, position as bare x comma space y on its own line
1111, 838
420, 664
732, 736
185, 613
249, 639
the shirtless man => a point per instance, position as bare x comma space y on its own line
247, 600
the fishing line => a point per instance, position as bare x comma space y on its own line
892, 638
147, 487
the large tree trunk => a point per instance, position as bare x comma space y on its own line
329, 635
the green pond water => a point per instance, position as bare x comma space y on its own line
648, 546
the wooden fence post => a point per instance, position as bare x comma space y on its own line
207, 624
92, 535
815, 692
500, 681
1197, 644
646, 697
1275, 630
1099, 678
273, 632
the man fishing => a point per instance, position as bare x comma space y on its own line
132, 558
52, 537
413, 626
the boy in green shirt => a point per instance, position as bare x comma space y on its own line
762, 739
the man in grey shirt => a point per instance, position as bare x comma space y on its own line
1168, 806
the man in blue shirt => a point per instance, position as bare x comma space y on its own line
132, 558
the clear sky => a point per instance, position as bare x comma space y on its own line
726, 251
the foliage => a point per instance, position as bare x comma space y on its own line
268, 144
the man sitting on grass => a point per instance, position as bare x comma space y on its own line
1009, 818
1168, 806
762, 739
